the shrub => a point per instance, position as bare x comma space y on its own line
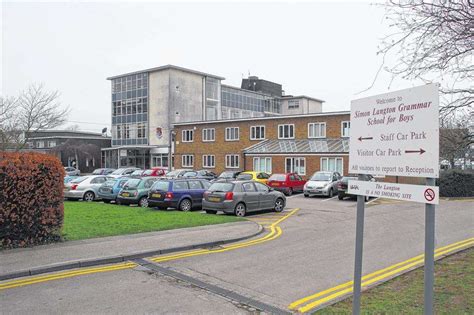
31, 199
456, 183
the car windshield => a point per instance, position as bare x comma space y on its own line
244, 176
221, 187
110, 183
278, 177
122, 182
227, 175
97, 171
321, 176
173, 173
132, 183
79, 180
189, 174
137, 172
162, 185
118, 171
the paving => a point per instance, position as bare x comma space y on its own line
109, 248
313, 252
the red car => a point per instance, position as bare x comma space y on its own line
287, 183
155, 171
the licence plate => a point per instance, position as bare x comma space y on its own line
126, 194
214, 199
275, 184
156, 195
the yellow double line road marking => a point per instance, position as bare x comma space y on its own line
310, 302
275, 232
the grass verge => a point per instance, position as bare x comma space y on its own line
84, 220
454, 291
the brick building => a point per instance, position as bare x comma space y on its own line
291, 143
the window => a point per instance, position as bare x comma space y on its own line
249, 187
257, 132
232, 161
232, 134
262, 164
208, 134
345, 128
293, 104
295, 165
181, 185
194, 184
40, 144
261, 187
141, 131
332, 164
51, 143
187, 160
317, 130
286, 131
187, 135
98, 180
209, 161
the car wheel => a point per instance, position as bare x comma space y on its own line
143, 202
306, 196
118, 202
340, 197
185, 205
89, 196
240, 210
279, 205
106, 200
330, 193
211, 211
290, 192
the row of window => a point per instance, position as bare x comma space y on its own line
46, 144
285, 131
129, 131
264, 164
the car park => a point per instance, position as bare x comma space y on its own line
109, 190
261, 177
342, 185
242, 197
103, 171
71, 171
123, 172
287, 183
322, 184
183, 194
135, 191
84, 187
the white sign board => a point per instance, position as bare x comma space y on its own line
415, 193
396, 133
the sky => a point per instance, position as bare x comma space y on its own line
325, 50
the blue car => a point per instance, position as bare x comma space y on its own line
109, 190
182, 194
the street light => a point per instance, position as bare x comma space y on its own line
172, 140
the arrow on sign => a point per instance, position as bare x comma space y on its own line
366, 138
421, 151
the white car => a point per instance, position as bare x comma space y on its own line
322, 184
71, 171
123, 172
84, 187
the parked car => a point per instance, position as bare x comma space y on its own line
109, 190
155, 171
287, 183
103, 171
261, 177
182, 194
178, 173
322, 184
228, 175
71, 171
68, 178
342, 185
241, 197
137, 173
202, 174
123, 172
135, 191
84, 187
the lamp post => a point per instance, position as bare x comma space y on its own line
172, 140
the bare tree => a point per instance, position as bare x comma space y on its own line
433, 41
35, 109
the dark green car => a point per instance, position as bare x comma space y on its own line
135, 191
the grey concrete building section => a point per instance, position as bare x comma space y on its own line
54, 257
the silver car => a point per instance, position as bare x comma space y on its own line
322, 184
241, 197
123, 172
71, 171
84, 187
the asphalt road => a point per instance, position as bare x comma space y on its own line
314, 252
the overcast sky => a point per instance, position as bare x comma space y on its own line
326, 50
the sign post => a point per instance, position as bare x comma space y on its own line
396, 134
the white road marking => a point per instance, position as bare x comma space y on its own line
371, 201
329, 198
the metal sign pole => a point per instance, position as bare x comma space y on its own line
358, 253
429, 252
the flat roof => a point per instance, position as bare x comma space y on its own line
261, 118
166, 67
289, 97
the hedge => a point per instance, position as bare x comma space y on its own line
31, 199
456, 183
